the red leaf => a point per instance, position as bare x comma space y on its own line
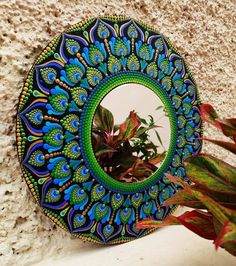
157, 158
103, 119
186, 198
230, 146
227, 238
227, 126
139, 169
231, 121
200, 223
209, 115
220, 237
177, 180
104, 149
128, 129
206, 170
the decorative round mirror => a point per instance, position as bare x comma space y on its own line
108, 108
131, 133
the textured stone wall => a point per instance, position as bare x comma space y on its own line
203, 31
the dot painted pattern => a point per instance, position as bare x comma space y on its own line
69, 79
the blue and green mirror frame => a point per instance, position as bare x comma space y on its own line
56, 107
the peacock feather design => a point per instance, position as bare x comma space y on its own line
55, 113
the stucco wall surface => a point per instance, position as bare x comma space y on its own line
203, 31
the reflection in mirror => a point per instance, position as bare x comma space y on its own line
130, 133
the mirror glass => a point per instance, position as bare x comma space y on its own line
131, 133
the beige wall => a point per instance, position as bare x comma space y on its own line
203, 31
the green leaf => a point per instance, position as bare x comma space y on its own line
140, 132
159, 138
214, 174
225, 199
103, 119
127, 130
116, 127
159, 107
143, 130
151, 120
222, 214
142, 120
184, 198
230, 146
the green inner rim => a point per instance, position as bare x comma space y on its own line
86, 127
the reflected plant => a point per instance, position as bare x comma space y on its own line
125, 151
211, 193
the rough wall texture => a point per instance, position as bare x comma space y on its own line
203, 31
